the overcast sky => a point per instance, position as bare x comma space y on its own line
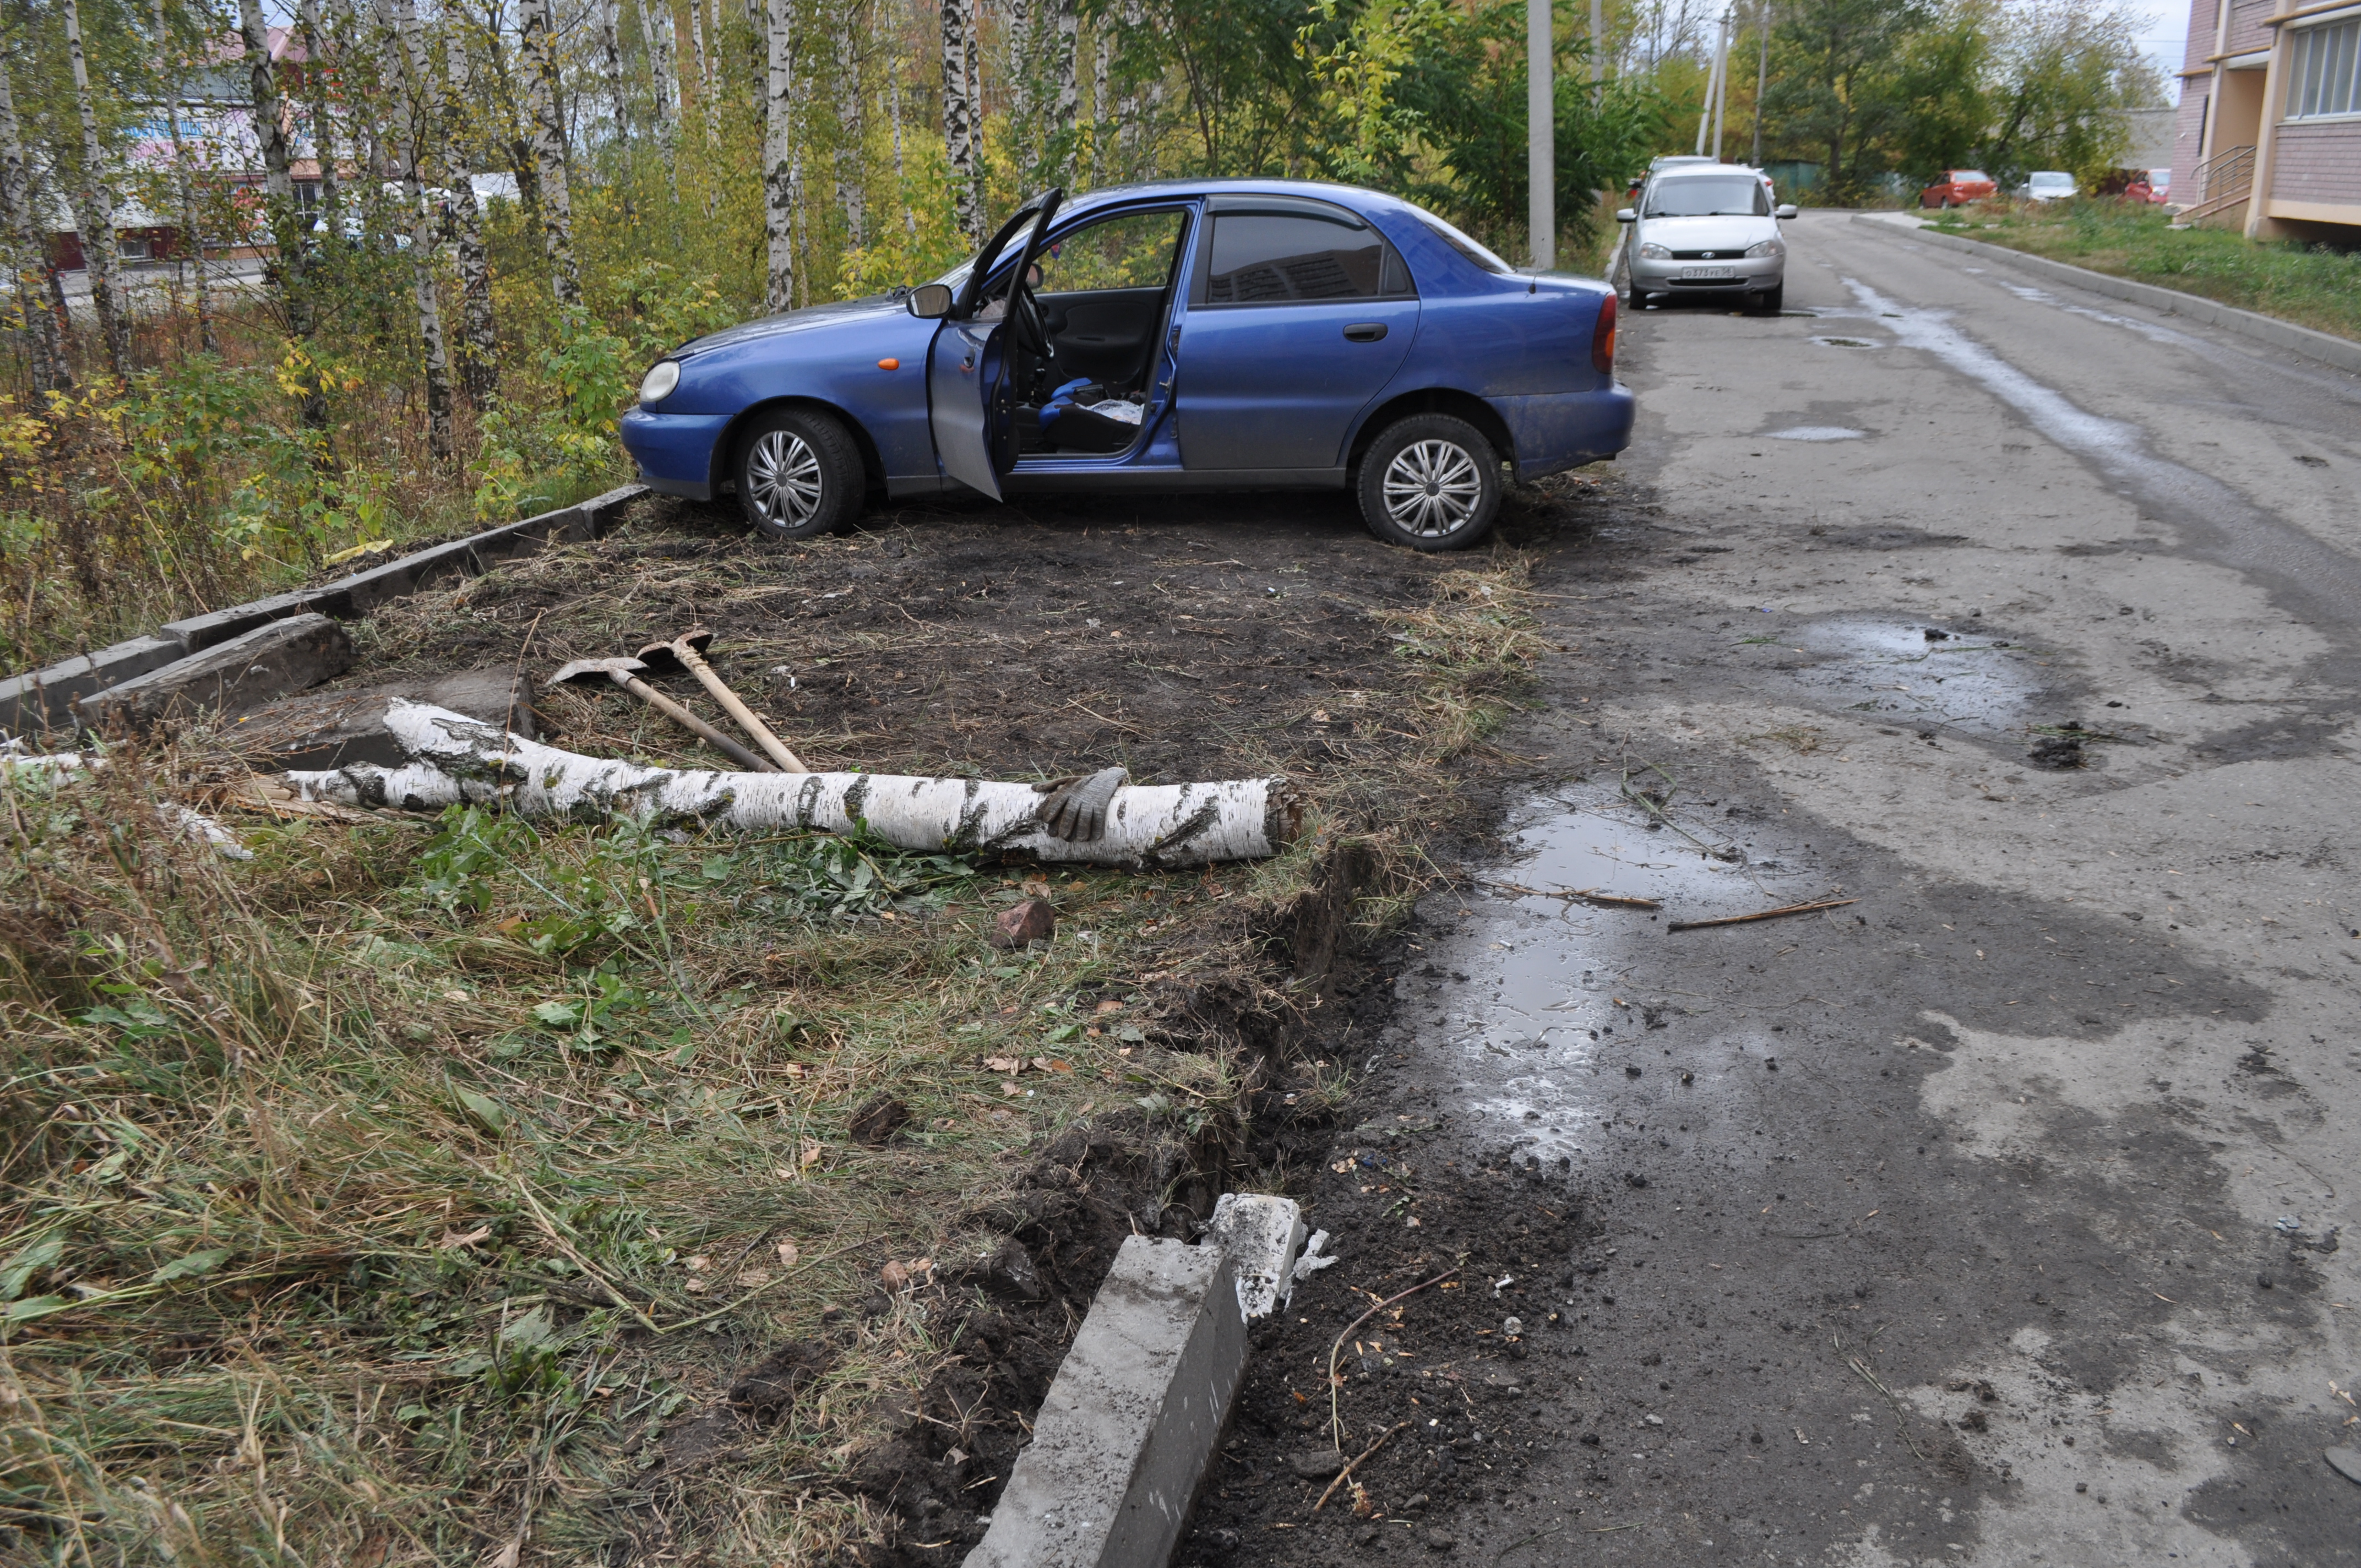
2164, 34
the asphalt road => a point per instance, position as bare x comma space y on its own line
1993, 1218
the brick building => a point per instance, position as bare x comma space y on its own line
2269, 129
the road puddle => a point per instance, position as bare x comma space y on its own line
1930, 677
1530, 991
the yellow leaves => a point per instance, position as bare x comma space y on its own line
370, 547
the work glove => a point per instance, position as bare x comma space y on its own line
1075, 810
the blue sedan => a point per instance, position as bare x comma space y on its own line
1213, 334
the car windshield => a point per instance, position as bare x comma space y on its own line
1709, 196
2053, 182
1969, 177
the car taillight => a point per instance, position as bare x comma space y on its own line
1602, 338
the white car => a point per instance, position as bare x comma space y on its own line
2048, 185
1710, 230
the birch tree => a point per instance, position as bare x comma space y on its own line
778, 160
94, 211
406, 71
611, 65
479, 350
316, 94
1020, 73
664, 78
540, 47
45, 344
184, 190
279, 208
709, 104
1068, 90
959, 117
852, 131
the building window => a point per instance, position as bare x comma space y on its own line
307, 198
2321, 78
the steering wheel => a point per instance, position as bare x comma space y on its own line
1024, 322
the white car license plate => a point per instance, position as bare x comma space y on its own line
1709, 272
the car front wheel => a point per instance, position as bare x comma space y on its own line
1431, 482
799, 475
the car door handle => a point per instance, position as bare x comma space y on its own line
1365, 332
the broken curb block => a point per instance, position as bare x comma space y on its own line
1022, 924
1264, 1234
1122, 1439
30, 703
339, 729
265, 665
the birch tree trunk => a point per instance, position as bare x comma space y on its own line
480, 351
704, 101
1070, 96
1127, 107
610, 66
367, 150
1103, 35
901, 171
316, 91
407, 74
44, 343
540, 47
656, 26
278, 206
1021, 27
457, 759
95, 210
184, 196
778, 162
852, 131
959, 118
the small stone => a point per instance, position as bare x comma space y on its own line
1316, 1464
2081, 1486
1512, 1327
1415, 1502
2264, 1280
1022, 924
1440, 1540
2346, 1462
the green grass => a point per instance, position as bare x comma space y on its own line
2310, 285
376, 1200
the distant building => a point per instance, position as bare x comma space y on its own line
2268, 134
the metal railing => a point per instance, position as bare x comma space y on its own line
2222, 180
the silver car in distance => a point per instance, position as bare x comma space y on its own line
1707, 229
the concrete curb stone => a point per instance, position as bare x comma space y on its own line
2326, 348
1124, 1437
273, 661
46, 697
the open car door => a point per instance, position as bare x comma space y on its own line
970, 400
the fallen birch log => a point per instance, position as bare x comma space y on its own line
459, 759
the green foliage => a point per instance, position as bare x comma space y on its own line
849, 876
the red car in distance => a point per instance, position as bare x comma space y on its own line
1957, 187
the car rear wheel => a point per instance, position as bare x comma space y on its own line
799, 475
1430, 482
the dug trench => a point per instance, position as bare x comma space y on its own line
577, 1085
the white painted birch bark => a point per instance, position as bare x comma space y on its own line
480, 346
778, 160
457, 759
707, 104
851, 130
1068, 23
45, 344
959, 117
539, 42
407, 72
664, 79
94, 212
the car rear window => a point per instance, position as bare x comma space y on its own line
1709, 195
1969, 177
1271, 258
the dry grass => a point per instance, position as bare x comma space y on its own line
380, 1199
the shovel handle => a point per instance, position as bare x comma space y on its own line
681, 716
788, 761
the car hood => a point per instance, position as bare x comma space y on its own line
810, 318
1709, 234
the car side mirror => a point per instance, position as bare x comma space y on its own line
930, 301
1626, 215
1786, 210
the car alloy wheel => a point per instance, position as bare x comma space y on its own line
785, 485
1432, 488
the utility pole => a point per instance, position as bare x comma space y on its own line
1713, 81
1541, 134
1598, 41
1761, 81
1721, 83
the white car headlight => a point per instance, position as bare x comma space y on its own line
661, 378
1766, 247
1652, 251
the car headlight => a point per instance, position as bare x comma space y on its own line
1766, 247
1652, 251
661, 378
